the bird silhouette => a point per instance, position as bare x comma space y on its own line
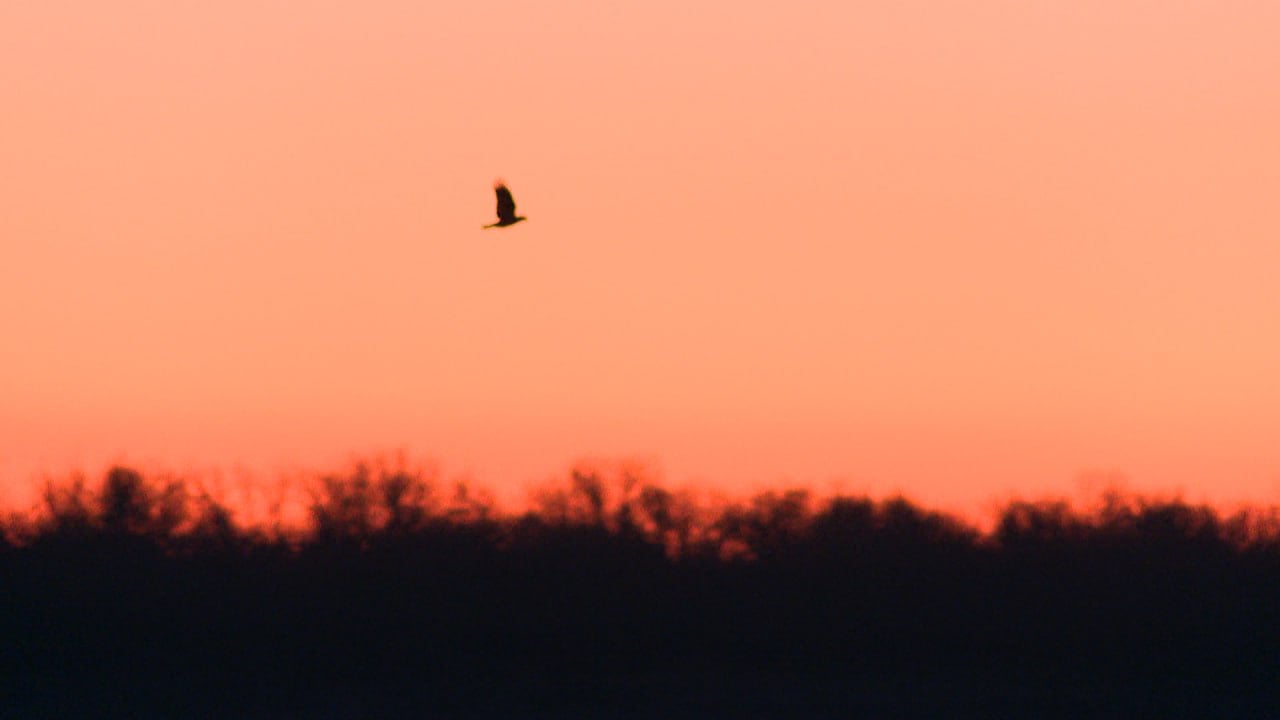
506, 206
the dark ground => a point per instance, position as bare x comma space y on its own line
138, 599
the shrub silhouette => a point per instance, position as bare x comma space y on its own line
615, 596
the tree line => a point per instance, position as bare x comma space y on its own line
611, 595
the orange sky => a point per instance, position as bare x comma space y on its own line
961, 249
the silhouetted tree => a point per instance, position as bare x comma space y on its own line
1025, 525
406, 502
67, 507
128, 505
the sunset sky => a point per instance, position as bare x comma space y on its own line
959, 249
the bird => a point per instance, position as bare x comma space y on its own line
506, 207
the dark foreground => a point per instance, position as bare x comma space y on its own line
139, 600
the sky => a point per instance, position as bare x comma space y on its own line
961, 250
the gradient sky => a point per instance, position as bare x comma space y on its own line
960, 249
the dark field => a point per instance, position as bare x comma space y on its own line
141, 599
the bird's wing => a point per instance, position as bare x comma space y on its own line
506, 204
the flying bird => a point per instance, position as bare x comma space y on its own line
506, 206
